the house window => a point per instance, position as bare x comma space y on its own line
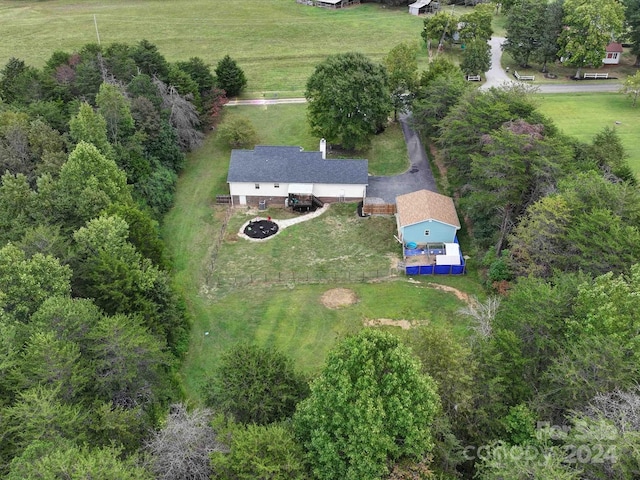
276, 185
615, 56
257, 186
610, 55
427, 233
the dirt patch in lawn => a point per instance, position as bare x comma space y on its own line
403, 324
458, 293
338, 298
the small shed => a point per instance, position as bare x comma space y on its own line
335, 3
421, 6
426, 217
613, 54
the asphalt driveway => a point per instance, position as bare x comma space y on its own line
419, 175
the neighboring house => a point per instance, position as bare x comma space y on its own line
426, 217
423, 6
614, 54
277, 175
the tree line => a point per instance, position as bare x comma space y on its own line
92, 329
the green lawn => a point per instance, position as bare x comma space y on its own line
288, 316
287, 125
584, 115
293, 320
276, 42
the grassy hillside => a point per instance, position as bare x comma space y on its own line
276, 42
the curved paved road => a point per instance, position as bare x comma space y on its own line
497, 77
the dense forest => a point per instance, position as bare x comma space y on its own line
547, 387
91, 328
92, 332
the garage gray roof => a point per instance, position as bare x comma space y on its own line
293, 165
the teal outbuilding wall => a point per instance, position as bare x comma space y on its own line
438, 232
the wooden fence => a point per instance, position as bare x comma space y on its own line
379, 209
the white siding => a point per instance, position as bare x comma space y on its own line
319, 190
336, 190
265, 190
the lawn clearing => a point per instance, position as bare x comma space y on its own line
288, 125
337, 242
277, 43
288, 315
583, 115
295, 321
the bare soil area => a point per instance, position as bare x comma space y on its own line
403, 324
338, 298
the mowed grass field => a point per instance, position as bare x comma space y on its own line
584, 115
276, 42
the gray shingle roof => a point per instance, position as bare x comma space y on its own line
293, 165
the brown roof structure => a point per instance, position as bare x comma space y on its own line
615, 47
425, 205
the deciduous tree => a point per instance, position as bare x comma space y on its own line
439, 28
256, 385
116, 111
402, 67
632, 24
348, 99
476, 25
238, 132
182, 449
51, 460
476, 58
525, 26
631, 87
89, 183
589, 27
371, 405
260, 452
25, 283
551, 28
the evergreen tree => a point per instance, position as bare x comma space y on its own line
230, 77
